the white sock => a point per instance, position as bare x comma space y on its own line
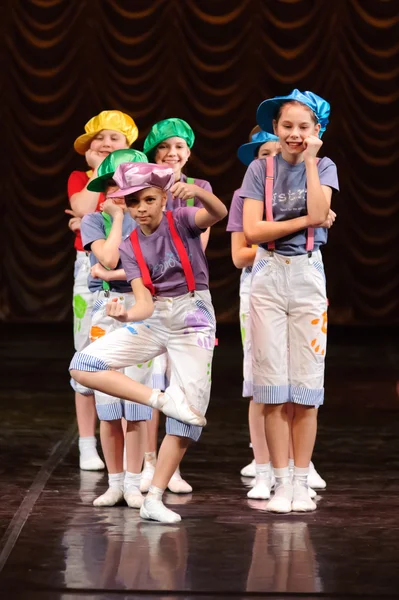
116, 480
262, 469
88, 447
301, 475
155, 493
132, 480
282, 475
155, 398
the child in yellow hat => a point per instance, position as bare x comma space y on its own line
108, 131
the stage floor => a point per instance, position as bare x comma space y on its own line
55, 545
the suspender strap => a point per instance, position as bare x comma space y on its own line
107, 227
310, 236
182, 252
190, 201
269, 194
145, 274
269, 203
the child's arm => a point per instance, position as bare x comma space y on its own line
142, 309
318, 196
242, 255
107, 251
258, 231
214, 210
100, 272
85, 202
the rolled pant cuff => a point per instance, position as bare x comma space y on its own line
307, 396
174, 427
271, 394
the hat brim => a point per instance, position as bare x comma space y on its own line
82, 143
131, 190
247, 152
266, 113
99, 183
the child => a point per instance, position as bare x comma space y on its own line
108, 131
169, 143
102, 234
173, 313
263, 144
288, 305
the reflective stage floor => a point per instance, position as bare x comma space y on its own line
55, 545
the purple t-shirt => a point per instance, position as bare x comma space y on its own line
289, 197
172, 204
234, 223
160, 254
93, 229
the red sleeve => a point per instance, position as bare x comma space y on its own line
76, 182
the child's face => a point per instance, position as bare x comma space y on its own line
269, 149
146, 207
293, 127
107, 140
173, 152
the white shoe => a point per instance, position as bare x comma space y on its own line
91, 464
272, 481
111, 497
249, 470
178, 485
133, 497
314, 480
261, 489
146, 477
312, 492
155, 510
282, 499
173, 403
300, 499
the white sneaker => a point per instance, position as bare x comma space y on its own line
133, 497
249, 470
312, 492
261, 489
282, 499
155, 510
300, 500
111, 497
252, 483
178, 485
173, 403
314, 480
91, 464
146, 477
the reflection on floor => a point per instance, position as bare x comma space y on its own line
55, 545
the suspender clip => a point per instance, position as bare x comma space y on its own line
106, 293
310, 254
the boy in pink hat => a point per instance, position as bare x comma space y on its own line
165, 263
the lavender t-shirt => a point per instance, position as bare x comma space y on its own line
93, 229
289, 197
172, 204
234, 223
160, 254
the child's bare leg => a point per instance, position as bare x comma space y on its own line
277, 434
304, 429
290, 415
86, 417
170, 455
112, 442
257, 428
120, 385
150, 454
135, 443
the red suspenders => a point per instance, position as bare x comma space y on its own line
269, 204
181, 251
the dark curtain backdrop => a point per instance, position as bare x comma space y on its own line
210, 62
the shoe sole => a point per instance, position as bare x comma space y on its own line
302, 508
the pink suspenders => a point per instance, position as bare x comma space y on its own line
269, 204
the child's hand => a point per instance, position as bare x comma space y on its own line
113, 206
74, 223
329, 222
184, 191
117, 311
93, 158
312, 145
99, 272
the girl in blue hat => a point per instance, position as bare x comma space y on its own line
288, 304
